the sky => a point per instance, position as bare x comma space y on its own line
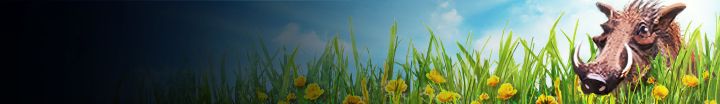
310, 24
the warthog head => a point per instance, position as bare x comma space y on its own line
630, 39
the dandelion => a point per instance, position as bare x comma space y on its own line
506, 91
706, 75
429, 91
396, 86
690, 80
300, 81
546, 100
651, 80
435, 76
659, 92
710, 102
483, 96
291, 96
261, 95
352, 100
446, 96
493, 80
313, 91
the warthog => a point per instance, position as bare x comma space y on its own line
631, 39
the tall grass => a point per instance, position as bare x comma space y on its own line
466, 73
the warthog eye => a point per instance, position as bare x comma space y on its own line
642, 29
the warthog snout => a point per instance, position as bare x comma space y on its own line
601, 77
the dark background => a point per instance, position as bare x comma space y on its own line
83, 51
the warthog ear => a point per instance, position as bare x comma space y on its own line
605, 8
667, 14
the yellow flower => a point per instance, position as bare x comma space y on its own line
651, 80
283, 102
706, 75
291, 96
396, 86
659, 92
506, 91
313, 91
475, 102
352, 100
429, 90
300, 81
710, 102
546, 100
435, 76
446, 96
493, 80
690, 80
483, 96
261, 95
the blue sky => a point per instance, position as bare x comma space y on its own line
310, 24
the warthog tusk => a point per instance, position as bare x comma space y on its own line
576, 59
629, 61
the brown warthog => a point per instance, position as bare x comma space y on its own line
631, 38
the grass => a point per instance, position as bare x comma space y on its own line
466, 73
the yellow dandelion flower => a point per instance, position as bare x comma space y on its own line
291, 96
659, 92
706, 75
447, 96
429, 90
300, 81
396, 86
483, 96
261, 95
710, 102
493, 80
546, 100
506, 91
435, 76
651, 80
313, 91
690, 80
353, 100
283, 102
475, 102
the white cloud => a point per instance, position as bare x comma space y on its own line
293, 36
444, 4
445, 21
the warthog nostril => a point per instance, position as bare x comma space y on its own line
602, 88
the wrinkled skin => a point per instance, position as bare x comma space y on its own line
631, 38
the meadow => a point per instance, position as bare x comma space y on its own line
435, 76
